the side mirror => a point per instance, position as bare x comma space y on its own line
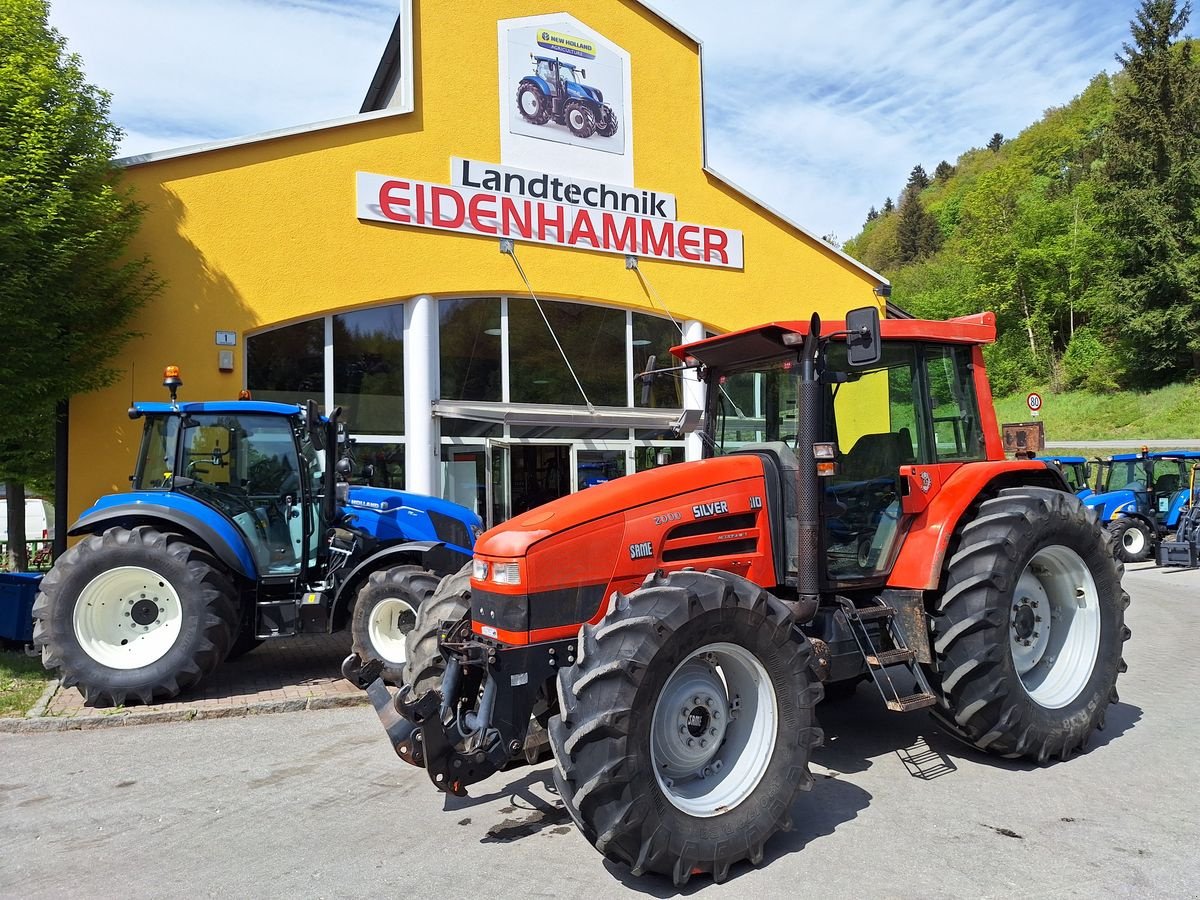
344, 467
862, 342
312, 420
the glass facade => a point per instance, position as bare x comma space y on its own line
593, 339
470, 351
652, 341
287, 364
368, 369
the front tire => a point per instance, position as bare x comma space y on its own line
688, 658
385, 611
1132, 541
424, 664
134, 614
606, 123
580, 119
1030, 629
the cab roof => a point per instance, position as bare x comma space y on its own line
766, 341
220, 407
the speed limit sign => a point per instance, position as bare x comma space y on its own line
1035, 402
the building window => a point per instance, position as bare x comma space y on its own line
368, 369
470, 349
593, 338
653, 339
287, 364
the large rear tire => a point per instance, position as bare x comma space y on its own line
134, 614
385, 611
424, 665
686, 725
532, 104
1030, 629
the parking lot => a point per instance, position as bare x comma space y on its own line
314, 803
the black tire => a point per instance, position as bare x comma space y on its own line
450, 601
203, 619
1132, 540
580, 119
608, 702
243, 643
532, 104
606, 122
386, 609
1009, 555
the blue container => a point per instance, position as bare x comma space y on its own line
17, 592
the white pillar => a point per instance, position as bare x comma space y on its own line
693, 390
421, 382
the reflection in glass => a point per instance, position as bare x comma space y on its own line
592, 337
470, 349
287, 364
654, 337
368, 369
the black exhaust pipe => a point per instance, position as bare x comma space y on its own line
808, 549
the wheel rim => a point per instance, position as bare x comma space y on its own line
529, 103
1133, 540
577, 120
391, 620
128, 617
713, 731
1054, 626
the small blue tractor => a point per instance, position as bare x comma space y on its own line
556, 91
1077, 471
1140, 498
1183, 547
237, 530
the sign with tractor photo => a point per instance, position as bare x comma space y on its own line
564, 87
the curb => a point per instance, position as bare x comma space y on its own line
39, 709
38, 723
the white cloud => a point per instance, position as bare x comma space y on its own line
821, 109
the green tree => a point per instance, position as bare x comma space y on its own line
917, 232
943, 171
996, 142
872, 214
1149, 192
68, 289
888, 206
917, 179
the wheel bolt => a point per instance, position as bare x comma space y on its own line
691, 742
713, 732
716, 714
1037, 618
709, 703
703, 743
683, 729
695, 701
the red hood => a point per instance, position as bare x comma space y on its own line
514, 537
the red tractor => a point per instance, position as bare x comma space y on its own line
670, 633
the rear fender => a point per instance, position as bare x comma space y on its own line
538, 82
172, 512
920, 560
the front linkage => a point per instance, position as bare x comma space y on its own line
478, 721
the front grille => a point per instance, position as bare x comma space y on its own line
450, 530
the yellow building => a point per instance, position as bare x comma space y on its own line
363, 262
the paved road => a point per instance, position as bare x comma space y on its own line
314, 805
1185, 444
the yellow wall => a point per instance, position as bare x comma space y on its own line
265, 232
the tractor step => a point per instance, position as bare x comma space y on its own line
890, 657
874, 612
911, 702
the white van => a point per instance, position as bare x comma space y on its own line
39, 520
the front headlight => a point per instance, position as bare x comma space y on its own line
506, 573
479, 569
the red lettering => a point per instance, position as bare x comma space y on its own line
625, 239
479, 216
390, 205
557, 220
511, 221
715, 242
689, 242
665, 244
421, 204
436, 194
583, 229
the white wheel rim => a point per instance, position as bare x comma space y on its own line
529, 103
721, 700
1133, 540
391, 620
1054, 626
576, 119
128, 617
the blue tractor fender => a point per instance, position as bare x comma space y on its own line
171, 512
393, 555
1111, 504
538, 82
1179, 502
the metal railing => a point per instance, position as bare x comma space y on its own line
40, 555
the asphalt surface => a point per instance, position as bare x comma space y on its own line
315, 804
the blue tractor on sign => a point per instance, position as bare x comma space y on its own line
1140, 498
1077, 472
556, 90
237, 530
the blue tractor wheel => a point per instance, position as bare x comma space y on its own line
386, 609
606, 122
532, 104
580, 119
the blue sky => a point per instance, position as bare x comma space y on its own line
821, 109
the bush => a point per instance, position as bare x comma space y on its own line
1093, 363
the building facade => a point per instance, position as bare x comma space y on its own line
476, 267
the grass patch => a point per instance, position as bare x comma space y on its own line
22, 680
1169, 412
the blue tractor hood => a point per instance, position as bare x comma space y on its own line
399, 515
583, 92
1112, 503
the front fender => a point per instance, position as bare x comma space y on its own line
173, 512
440, 558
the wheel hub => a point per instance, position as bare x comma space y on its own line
144, 611
127, 617
1023, 621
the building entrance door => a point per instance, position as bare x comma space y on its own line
538, 473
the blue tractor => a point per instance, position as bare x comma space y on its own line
1077, 472
1140, 498
556, 90
237, 530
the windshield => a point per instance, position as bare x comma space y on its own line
755, 406
1161, 475
156, 459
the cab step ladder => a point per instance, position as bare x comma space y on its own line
878, 660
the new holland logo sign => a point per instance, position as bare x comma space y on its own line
566, 43
576, 214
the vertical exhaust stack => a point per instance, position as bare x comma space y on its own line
808, 549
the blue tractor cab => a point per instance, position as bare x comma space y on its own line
557, 91
1076, 470
239, 528
1141, 496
